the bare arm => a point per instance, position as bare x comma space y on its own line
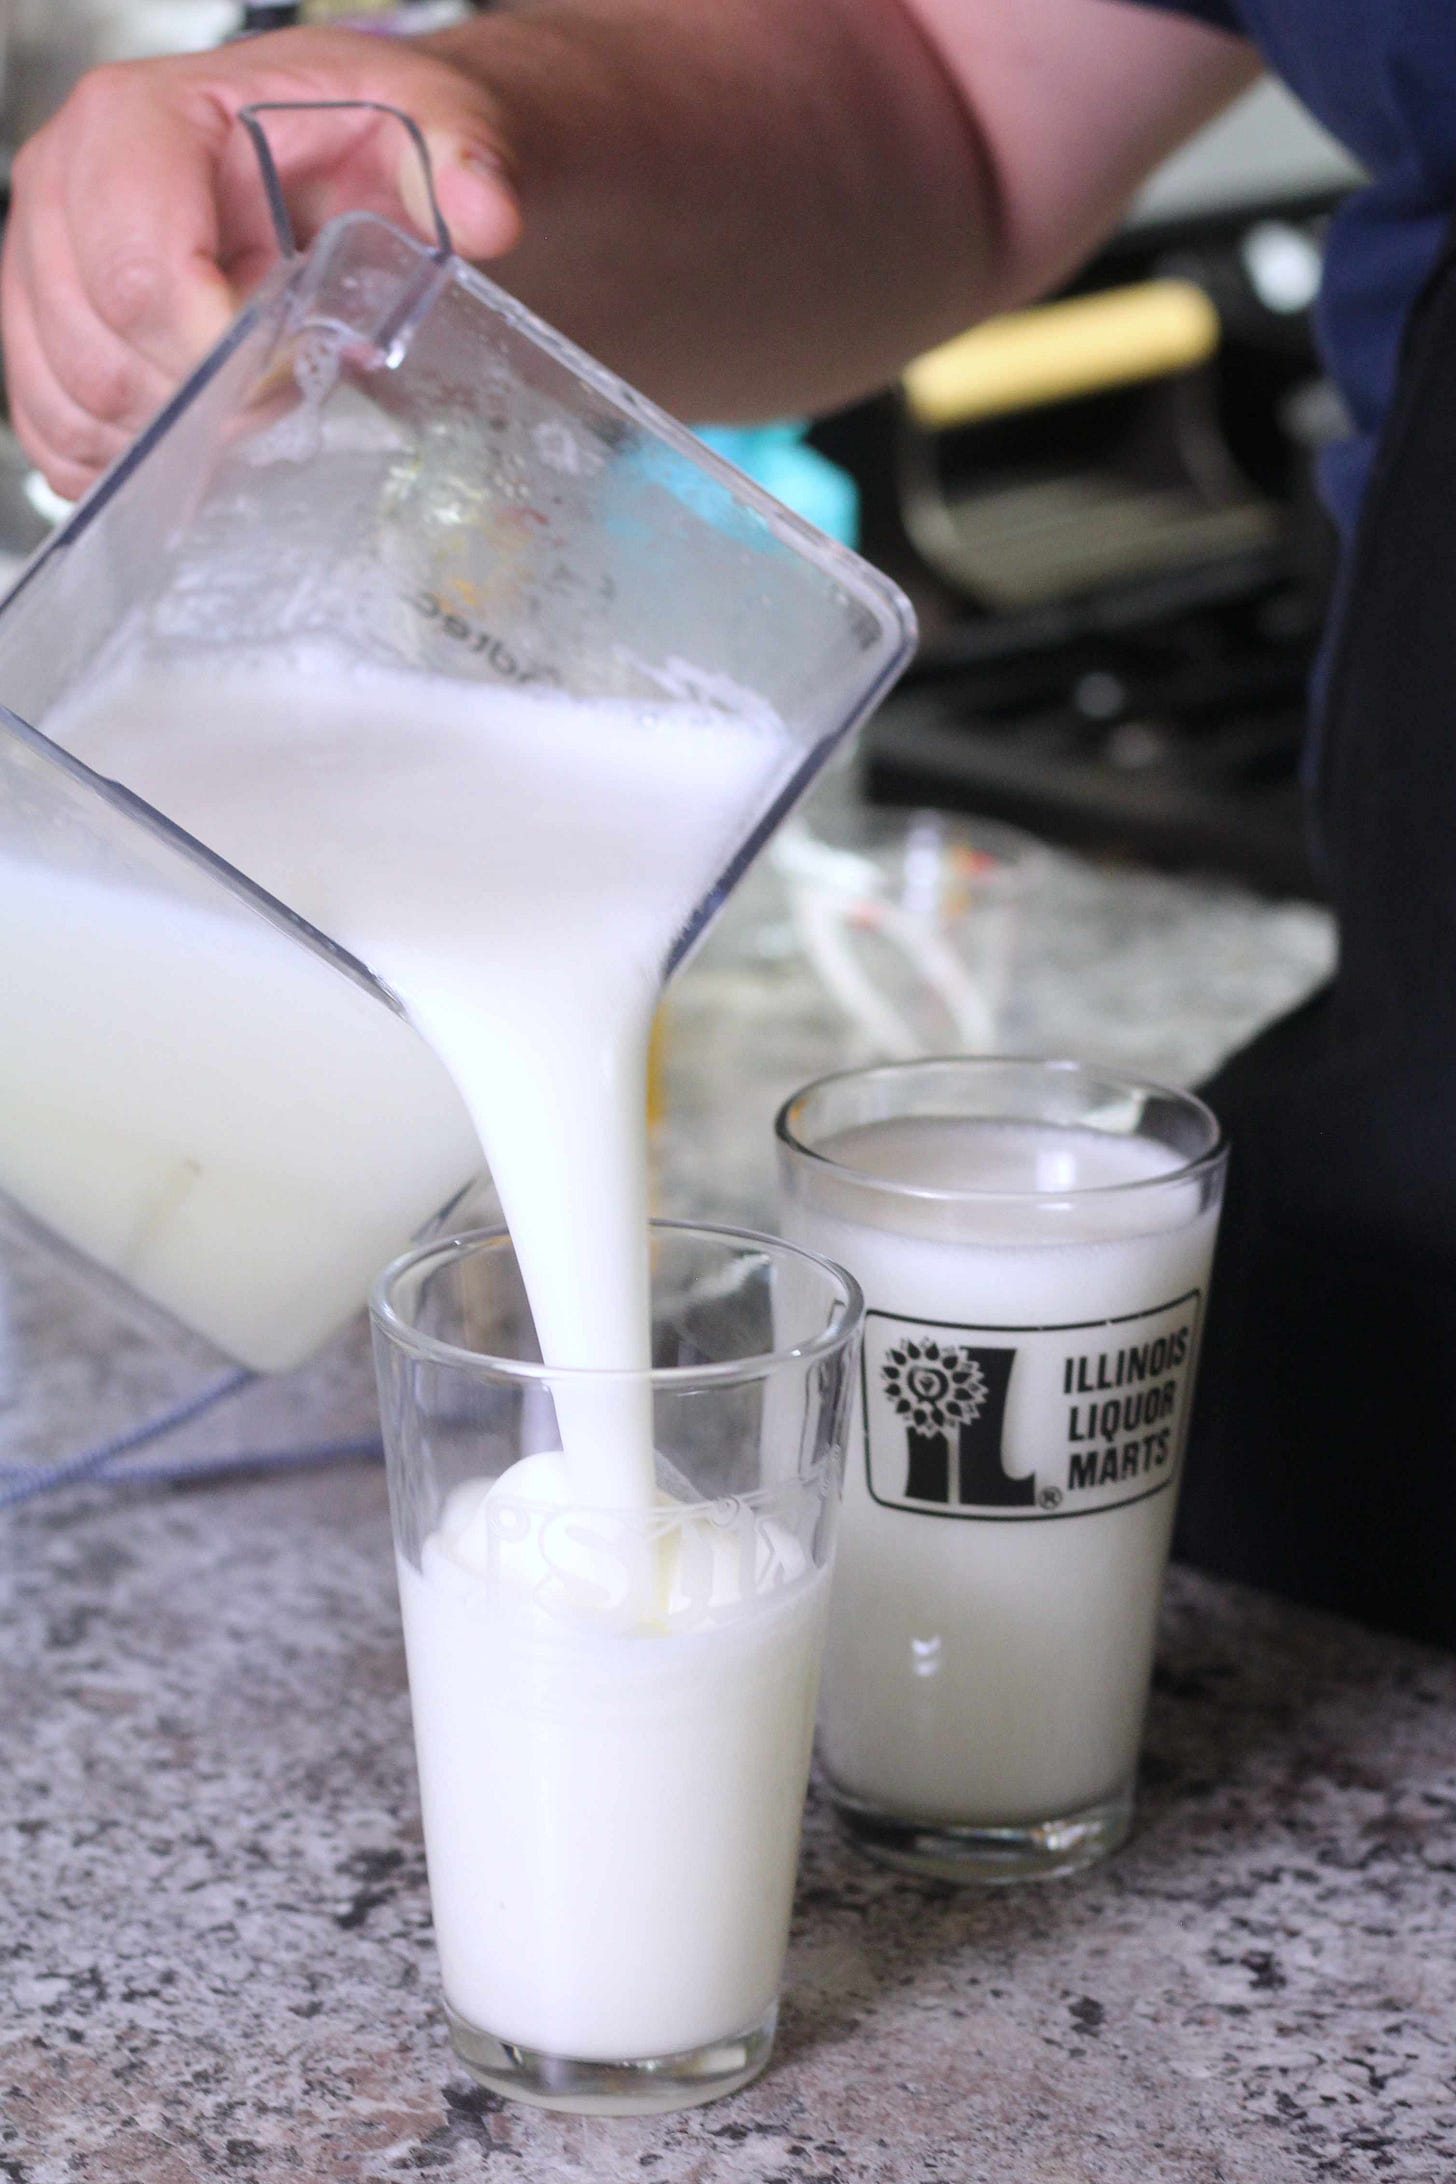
759, 205
1074, 102
746, 205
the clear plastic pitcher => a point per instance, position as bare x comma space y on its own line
387, 452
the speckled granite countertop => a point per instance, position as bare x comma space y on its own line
215, 1951
216, 1947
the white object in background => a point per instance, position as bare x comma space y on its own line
908, 920
136, 30
409, 20
54, 42
1264, 150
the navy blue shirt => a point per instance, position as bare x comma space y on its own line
1381, 76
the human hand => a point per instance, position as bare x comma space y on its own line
138, 219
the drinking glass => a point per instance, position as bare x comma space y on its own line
1034, 1241
613, 1707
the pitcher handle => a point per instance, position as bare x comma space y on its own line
277, 207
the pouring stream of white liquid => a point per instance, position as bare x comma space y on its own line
515, 868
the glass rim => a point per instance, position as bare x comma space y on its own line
1065, 1066
844, 1320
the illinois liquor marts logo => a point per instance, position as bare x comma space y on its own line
1002, 1423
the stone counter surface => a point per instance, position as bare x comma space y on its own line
215, 1948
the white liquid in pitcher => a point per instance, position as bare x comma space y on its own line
208, 1110
989, 1664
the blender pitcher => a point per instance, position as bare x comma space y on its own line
200, 1089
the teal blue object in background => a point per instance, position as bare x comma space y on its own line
777, 458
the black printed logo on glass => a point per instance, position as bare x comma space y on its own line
1014, 1423
953, 1403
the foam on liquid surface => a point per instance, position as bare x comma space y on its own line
1009, 1157
1023, 1170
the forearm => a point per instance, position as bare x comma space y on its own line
744, 205
747, 206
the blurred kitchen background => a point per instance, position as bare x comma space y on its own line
1076, 825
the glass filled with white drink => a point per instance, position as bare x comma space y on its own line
614, 1587
1034, 1240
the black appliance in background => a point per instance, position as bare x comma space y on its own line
1121, 592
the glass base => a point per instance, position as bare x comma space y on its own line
1031, 1850
647, 2087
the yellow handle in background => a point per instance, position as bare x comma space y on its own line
1056, 351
